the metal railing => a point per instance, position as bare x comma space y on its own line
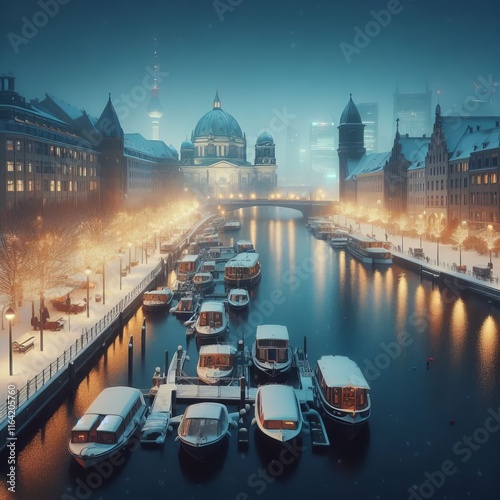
87, 337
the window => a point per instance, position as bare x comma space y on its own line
19, 185
485, 178
9, 145
494, 178
10, 185
10, 166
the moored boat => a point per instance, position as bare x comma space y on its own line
244, 246
212, 320
107, 425
216, 362
343, 392
277, 412
243, 270
203, 428
231, 225
203, 282
368, 250
188, 267
186, 307
271, 352
157, 300
238, 298
338, 238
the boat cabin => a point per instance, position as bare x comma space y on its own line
272, 344
214, 319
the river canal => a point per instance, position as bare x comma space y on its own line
431, 357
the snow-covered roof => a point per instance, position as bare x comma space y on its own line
70, 110
155, 149
205, 410
341, 371
279, 332
279, 402
475, 141
371, 163
455, 127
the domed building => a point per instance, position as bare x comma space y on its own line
214, 162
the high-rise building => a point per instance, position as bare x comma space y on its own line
369, 116
324, 158
414, 113
293, 171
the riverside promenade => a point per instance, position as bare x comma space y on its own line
35, 371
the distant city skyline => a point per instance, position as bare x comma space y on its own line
274, 68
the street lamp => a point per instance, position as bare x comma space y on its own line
120, 273
10, 315
129, 255
87, 272
490, 229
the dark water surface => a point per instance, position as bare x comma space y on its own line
384, 318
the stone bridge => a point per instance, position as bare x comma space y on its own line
308, 208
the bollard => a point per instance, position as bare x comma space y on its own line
143, 335
174, 401
242, 392
166, 362
130, 355
241, 345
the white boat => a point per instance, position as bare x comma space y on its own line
244, 246
343, 392
238, 298
107, 425
368, 250
221, 253
231, 225
242, 270
216, 362
203, 282
271, 352
208, 266
157, 300
212, 320
277, 412
186, 307
203, 428
188, 267
339, 238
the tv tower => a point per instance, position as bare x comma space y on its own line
154, 108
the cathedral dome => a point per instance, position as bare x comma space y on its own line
265, 139
187, 144
217, 122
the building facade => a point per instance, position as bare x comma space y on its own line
54, 153
214, 162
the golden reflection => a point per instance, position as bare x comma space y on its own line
401, 302
436, 311
377, 288
292, 242
488, 347
362, 281
389, 283
459, 326
342, 269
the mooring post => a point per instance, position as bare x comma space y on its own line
242, 392
166, 363
130, 355
179, 357
71, 374
143, 335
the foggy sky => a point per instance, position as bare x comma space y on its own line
273, 62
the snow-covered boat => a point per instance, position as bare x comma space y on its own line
238, 298
157, 300
277, 412
216, 362
203, 428
271, 352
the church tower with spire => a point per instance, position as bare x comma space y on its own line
154, 108
351, 143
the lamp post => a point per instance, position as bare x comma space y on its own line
129, 255
87, 272
10, 315
104, 281
120, 273
490, 229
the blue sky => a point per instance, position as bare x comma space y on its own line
273, 62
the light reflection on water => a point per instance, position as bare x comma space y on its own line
343, 307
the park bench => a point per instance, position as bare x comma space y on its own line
23, 347
54, 325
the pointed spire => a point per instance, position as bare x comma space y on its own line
108, 122
217, 103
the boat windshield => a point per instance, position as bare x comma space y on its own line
201, 427
212, 319
216, 361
